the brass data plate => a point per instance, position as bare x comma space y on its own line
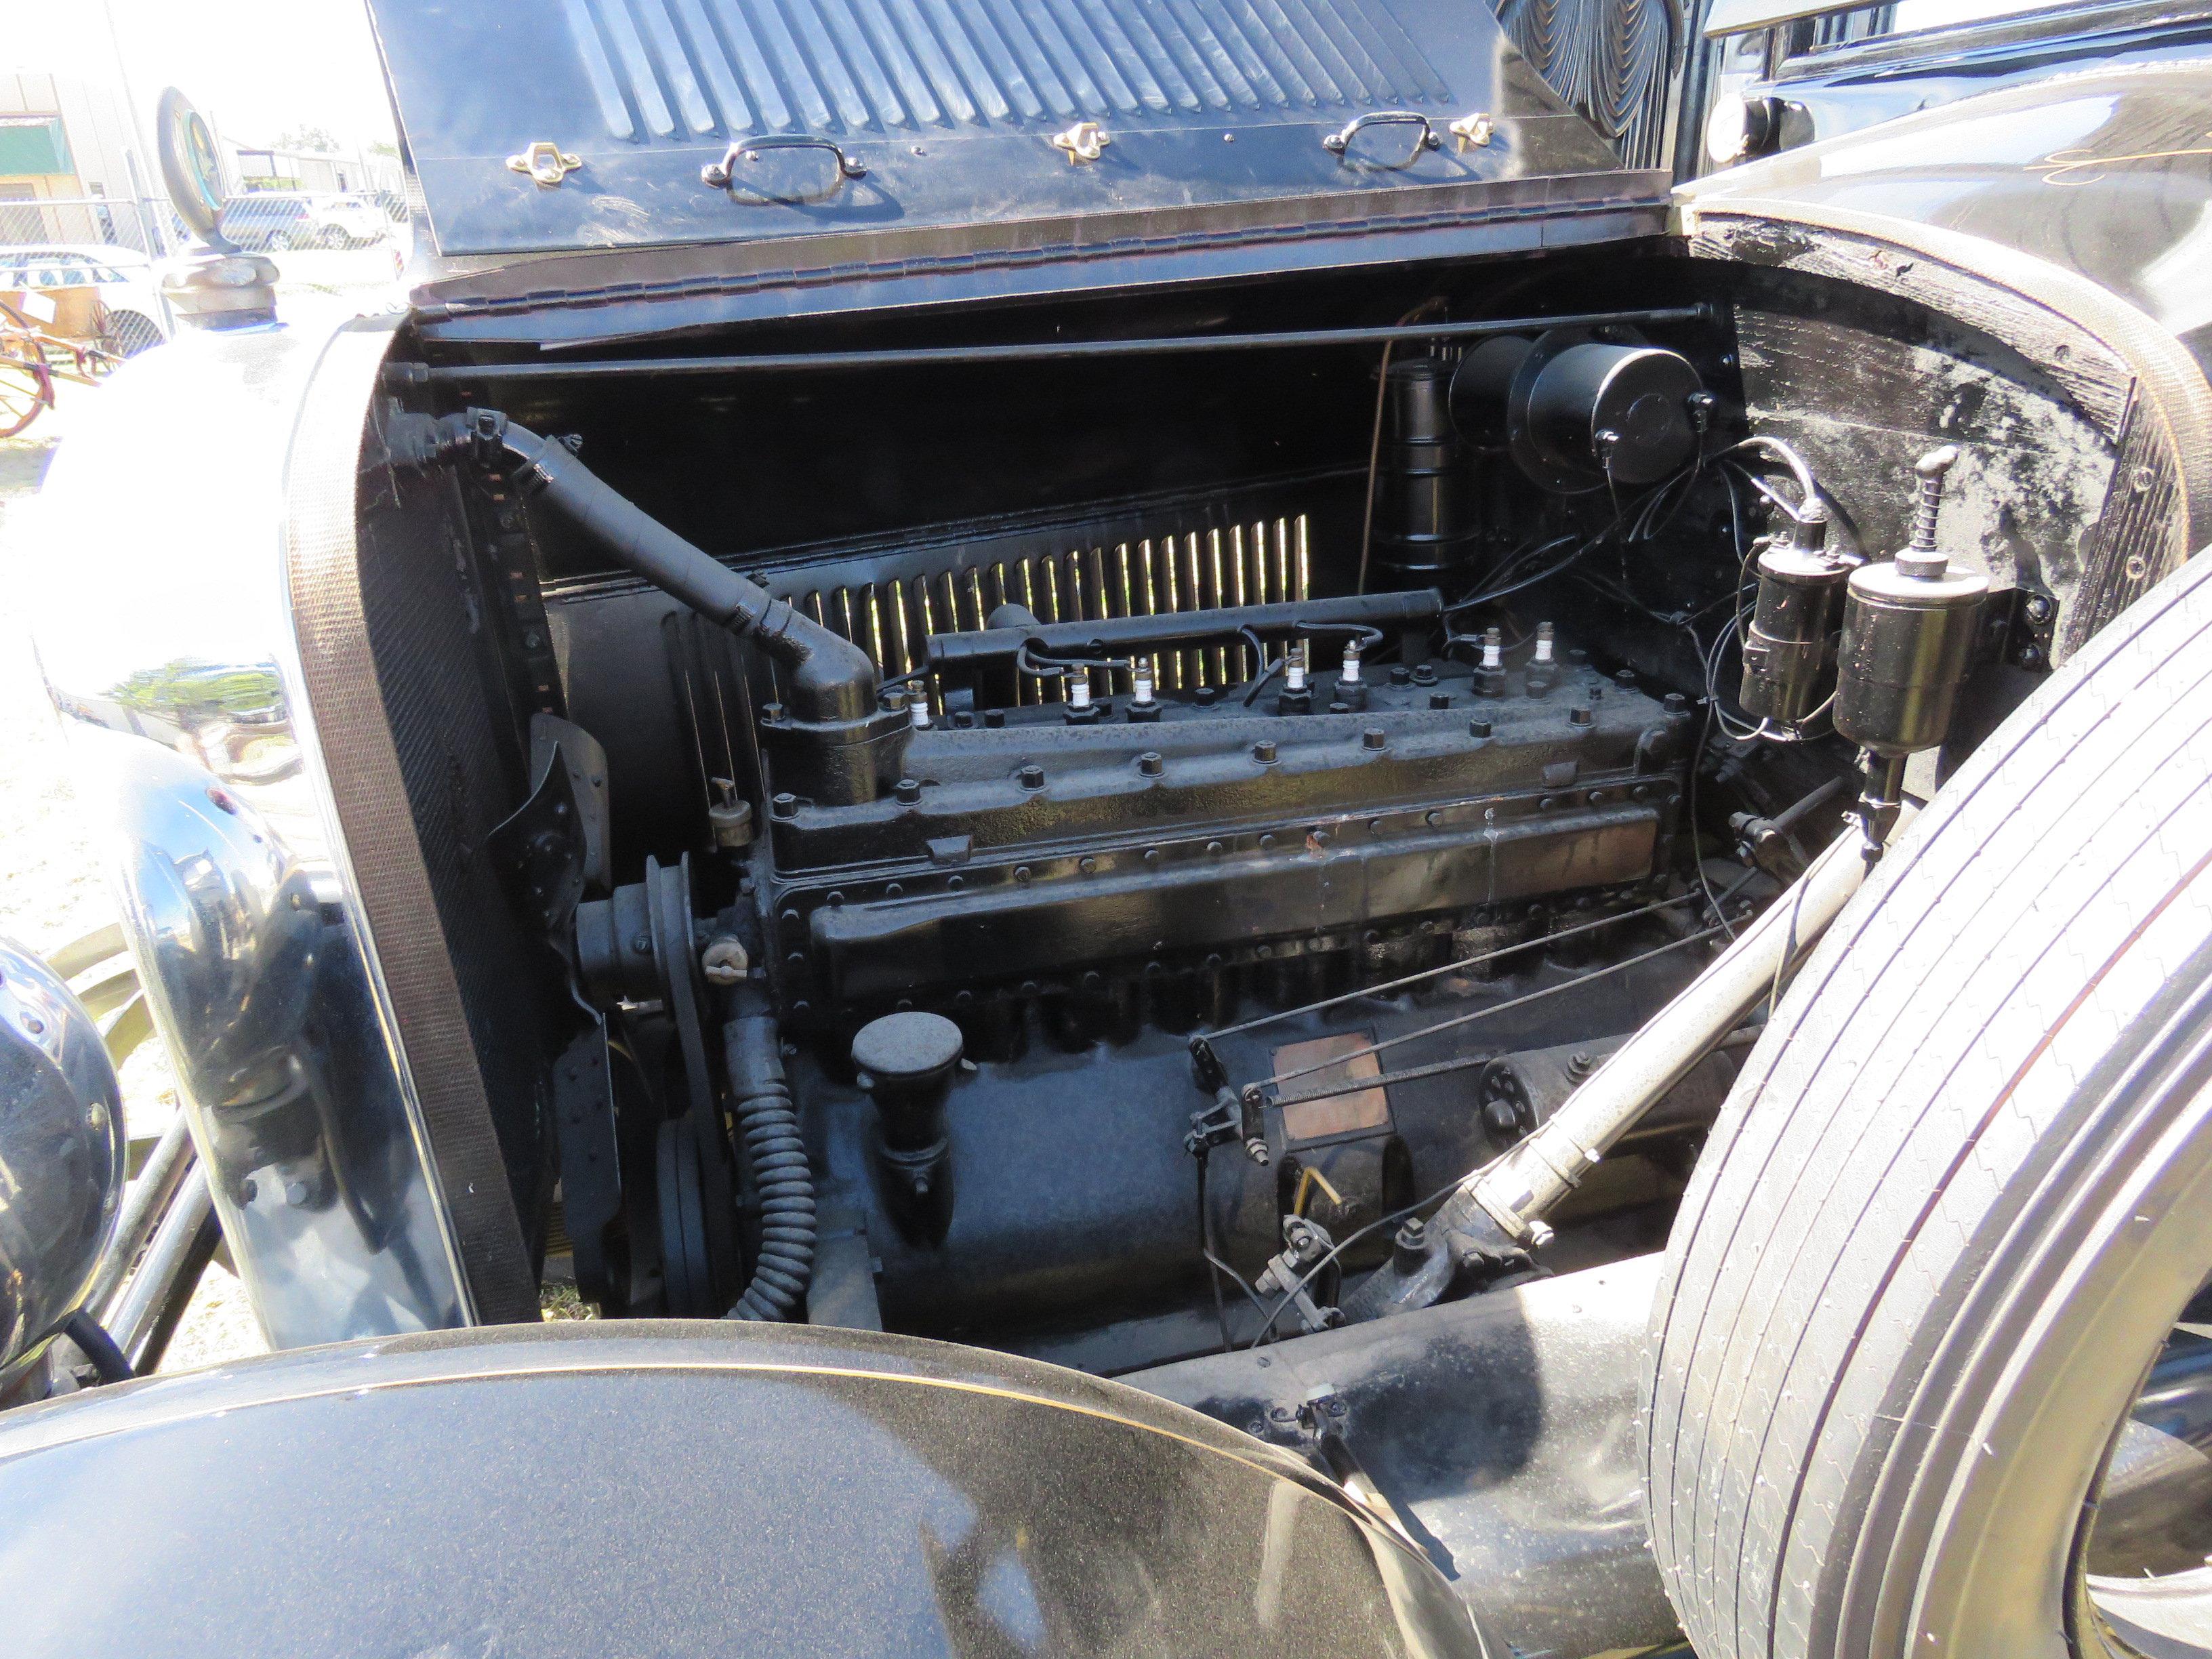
1340, 1115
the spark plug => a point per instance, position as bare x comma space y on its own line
1080, 710
1543, 668
1351, 691
1144, 705
1490, 677
1297, 696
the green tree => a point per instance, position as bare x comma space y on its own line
313, 140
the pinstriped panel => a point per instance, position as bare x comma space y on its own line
676, 70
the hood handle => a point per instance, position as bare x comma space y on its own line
723, 173
1338, 143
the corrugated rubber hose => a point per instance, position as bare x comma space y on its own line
783, 1183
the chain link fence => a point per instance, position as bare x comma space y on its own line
349, 245
142, 226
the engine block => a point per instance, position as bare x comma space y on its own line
1041, 850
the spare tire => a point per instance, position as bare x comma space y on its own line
1959, 1198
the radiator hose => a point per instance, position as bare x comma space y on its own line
783, 1182
830, 679
840, 745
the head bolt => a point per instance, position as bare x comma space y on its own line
1264, 751
909, 791
1582, 714
1150, 764
1031, 776
1374, 737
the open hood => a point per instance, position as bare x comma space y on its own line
614, 124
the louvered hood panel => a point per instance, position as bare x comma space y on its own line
545, 125
664, 67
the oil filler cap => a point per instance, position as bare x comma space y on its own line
906, 1051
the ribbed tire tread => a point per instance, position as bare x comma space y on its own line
1899, 1104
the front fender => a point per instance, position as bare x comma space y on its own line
162, 614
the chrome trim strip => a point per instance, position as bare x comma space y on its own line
366, 803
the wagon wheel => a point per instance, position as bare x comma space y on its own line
127, 334
26, 387
22, 340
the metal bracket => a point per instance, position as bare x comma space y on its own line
721, 174
545, 163
1474, 129
1340, 141
1083, 142
1305, 1245
540, 850
591, 1167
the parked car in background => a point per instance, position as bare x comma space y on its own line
268, 222
130, 316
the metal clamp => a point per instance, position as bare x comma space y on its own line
720, 173
1340, 141
1083, 142
1475, 130
545, 163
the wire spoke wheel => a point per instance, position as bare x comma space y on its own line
2147, 1551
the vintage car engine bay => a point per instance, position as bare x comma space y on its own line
1070, 841
1210, 793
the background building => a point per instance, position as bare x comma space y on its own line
74, 166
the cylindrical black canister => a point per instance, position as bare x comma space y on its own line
1425, 522
1786, 649
1617, 409
1905, 643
